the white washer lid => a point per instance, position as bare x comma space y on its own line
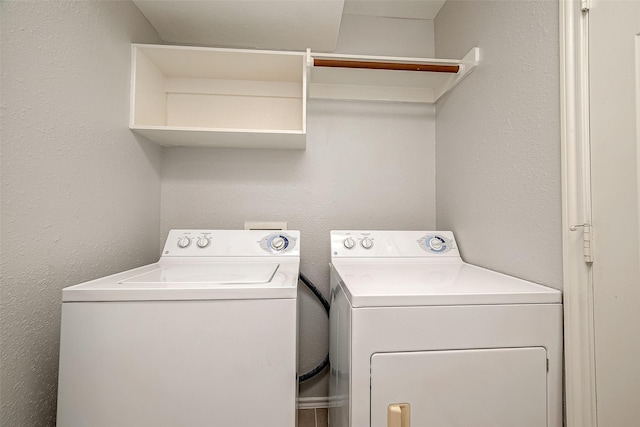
180, 275
376, 284
193, 280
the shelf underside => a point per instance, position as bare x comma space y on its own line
380, 85
231, 138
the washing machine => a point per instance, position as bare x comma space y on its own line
419, 337
204, 337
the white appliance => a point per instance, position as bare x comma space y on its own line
418, 336
204, 337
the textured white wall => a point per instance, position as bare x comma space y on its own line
498, 137
371, 35
366, 166
80, 193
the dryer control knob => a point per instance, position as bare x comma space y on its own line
203, 242
278, 243
184, 242
436, 243
349, 243
366, 243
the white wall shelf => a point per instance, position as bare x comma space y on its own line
381, 78
212, 97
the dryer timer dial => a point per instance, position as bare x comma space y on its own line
435, 244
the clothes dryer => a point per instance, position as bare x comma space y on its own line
204, 337
419, 337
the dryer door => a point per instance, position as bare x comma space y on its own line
460, 388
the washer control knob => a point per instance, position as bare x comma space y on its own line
203, 242
349, 243
184, 242
366, 243
278, 243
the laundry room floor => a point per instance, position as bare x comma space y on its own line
314, 417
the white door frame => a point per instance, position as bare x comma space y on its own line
580, 385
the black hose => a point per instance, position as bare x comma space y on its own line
316, 292
315, 371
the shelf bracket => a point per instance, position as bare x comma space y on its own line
467, 65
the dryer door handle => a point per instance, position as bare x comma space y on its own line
399, 415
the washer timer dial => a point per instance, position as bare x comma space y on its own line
277, 243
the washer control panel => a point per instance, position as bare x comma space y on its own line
398, 244
207, 243
191, 239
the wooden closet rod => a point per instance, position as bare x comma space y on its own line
385, 65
